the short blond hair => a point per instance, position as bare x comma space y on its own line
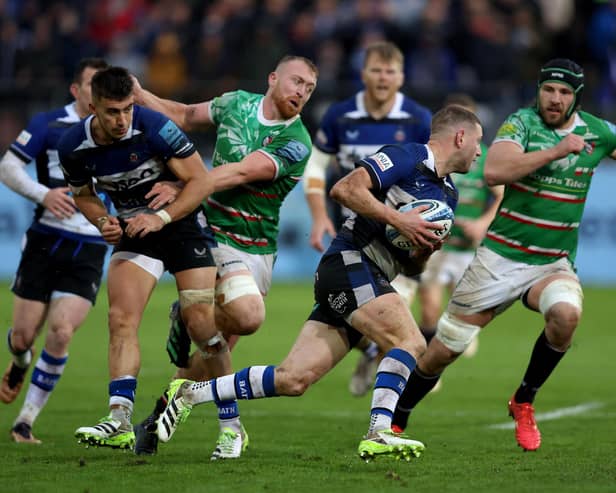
386, 50
307, 61
452, 116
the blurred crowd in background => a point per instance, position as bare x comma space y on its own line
192, 50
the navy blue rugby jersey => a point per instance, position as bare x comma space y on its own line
348, 130
37, 143
400, 174
128, 168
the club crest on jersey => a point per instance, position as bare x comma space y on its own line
383, 161
400, 135
267, 140
133, 157
589, 147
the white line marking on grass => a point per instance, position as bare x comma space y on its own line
556, 414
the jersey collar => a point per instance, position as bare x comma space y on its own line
271, 123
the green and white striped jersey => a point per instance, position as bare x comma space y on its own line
247, 217
540, 214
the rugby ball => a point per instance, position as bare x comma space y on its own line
438, 212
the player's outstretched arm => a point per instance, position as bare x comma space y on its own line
197, 186
507, 162
314, 191
188, 117
256, 166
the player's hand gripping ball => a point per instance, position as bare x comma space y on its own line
438, 212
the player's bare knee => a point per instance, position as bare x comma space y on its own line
21, 340
291, 383
60, 335
564, 315
560, 303
415, 345
246, 314
561, 321
455, 334
121, 321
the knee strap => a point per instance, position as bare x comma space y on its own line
235, 287
561, 291
190, 297
455, 334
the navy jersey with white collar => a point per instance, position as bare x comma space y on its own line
128, 168
37, 143
400, 174
350, 132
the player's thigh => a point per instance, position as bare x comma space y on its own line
129, 287
490, 282
230, 262
196, 279
317, 349
68, 311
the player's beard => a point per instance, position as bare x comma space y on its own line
285, 107
553, 121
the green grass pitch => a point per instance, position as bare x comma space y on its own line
309, 443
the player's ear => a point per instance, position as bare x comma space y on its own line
74, 90
459, 138
272, 78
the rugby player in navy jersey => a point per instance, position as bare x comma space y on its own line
350, 130
61, 264
353, 294
127, 149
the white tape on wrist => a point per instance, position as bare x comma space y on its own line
164, 215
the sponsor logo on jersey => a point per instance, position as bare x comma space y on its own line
383, 161
293, 151
352, 134
174, 137
506, 130
24, 137
564, 163
229, 263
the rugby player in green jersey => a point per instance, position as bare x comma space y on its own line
545, 156
261, 150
